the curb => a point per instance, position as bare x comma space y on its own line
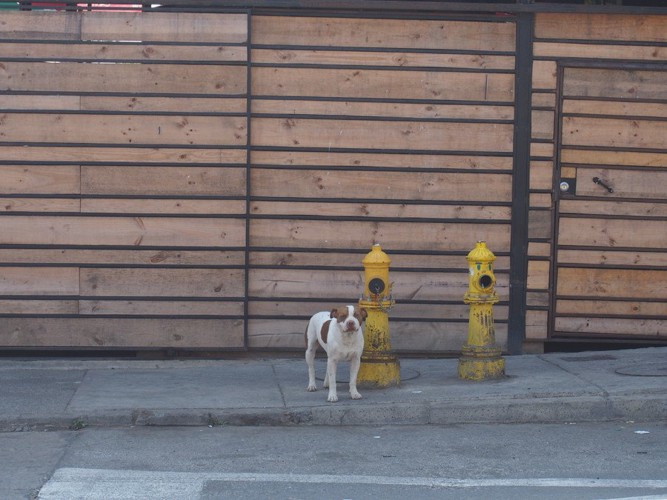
516, 411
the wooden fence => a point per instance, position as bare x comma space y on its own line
209, 180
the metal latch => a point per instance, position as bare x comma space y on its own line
602, 183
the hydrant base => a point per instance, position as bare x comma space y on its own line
378, 374
481, 368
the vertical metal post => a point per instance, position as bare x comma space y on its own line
248, 194
520, 184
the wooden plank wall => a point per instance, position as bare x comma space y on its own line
365, 131
134, 216
123, 180
610, 255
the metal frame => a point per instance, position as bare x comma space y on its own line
520, 183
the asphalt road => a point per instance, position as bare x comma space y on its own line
583, 461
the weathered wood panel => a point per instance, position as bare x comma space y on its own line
605, 283
612, 326
634, 158
165, 27
385, 59
615, 108
416, 34
544, 75
182, 181
606, 51
615, 83
138, 257
541, 175
362, 234
39, 26
379, 159
162, 207
115, 155
123, 231
613, 207
291, 132
39, 281
136, 51
389, 109
133, 104
601, 27
162, 282
40, 179
160, 308
120, 26
130, 78
367, 210
612, 308
367, 185
123, 129
625, 183
131, 333
612, 257
613, 132
40, 205
538, 274
32, 306
650, 234
536, 324
382, 84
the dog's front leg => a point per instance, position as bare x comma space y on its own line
310, 361
331, 378
354, 371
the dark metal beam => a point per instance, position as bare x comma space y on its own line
520, 185
379, 6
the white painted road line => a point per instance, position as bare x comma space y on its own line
73, 483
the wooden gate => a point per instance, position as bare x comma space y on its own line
611, 217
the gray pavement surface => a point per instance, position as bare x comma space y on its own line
39, 394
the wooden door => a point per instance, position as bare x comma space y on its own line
611, 211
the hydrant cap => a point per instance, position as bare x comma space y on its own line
481, 253
376, 258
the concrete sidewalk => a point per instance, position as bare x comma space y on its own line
582, 387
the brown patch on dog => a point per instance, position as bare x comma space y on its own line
324, 332
361, 315
340, 313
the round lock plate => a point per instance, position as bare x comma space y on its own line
485, 281
376, 286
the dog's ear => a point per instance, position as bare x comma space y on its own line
364, 314
334, 313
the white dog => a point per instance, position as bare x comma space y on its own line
339, 332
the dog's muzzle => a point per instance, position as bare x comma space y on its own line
351, 326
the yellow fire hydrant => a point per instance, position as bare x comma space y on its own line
481, 359
379, 367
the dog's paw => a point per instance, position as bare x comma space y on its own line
355, 395
332, 398
312, 388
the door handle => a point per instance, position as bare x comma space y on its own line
602, 183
